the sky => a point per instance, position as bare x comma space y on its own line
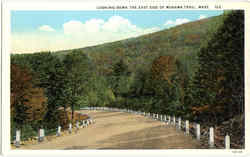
35, 31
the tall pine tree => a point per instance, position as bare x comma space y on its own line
219, 81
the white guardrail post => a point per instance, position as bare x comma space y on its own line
211, 137
179, 121
227, 142
77, 126
187, 127
70, 128
18, 138
41, 135
198, 131
58, 133
83, 123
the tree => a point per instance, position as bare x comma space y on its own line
28, 103
55, 85
78, 71
119, 76
219, 81
49, 74
164, 67
37, 107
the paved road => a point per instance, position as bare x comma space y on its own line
117, 130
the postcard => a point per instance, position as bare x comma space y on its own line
125, 78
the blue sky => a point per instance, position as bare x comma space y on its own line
55, 30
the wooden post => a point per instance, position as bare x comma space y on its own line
211, 137
18, 138
187, 127
179, 121
58, 133
227, 142
198, 131
70, 128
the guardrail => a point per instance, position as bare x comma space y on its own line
189, 128
41, 132
193, 129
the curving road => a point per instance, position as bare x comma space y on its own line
118, 130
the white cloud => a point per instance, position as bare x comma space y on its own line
72, 27
78, 34
115, 24
93, 25
171, 23
97, 31
202, 17
76, 27
118, 24
46, 28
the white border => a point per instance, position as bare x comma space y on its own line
91, 5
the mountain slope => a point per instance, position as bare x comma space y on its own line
182, 42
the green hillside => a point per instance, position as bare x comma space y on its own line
182, 42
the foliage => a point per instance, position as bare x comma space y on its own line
164, 67
219, 81
28, 103
49, 74
77, 68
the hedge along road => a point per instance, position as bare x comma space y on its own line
118, 130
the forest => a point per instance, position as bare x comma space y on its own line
195, 70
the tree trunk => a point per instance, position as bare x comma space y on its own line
72, 113
66, 115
